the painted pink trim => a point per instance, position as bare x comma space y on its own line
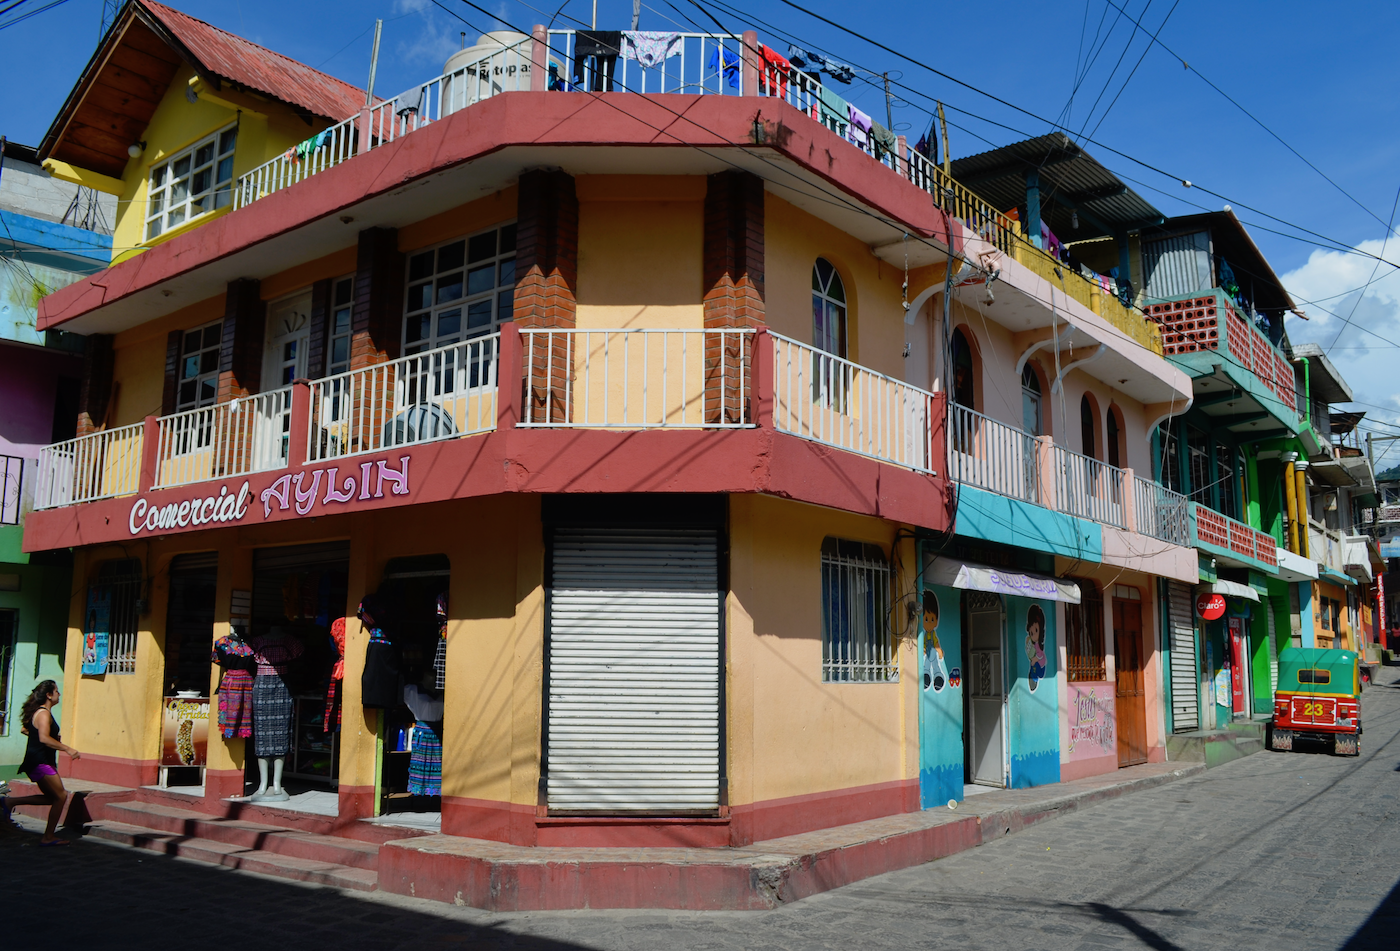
775, 818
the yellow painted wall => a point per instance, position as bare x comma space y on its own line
265, 129
485, 212
793, 240
640, 251
790, 734
138, 361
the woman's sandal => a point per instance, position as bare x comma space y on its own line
55, 842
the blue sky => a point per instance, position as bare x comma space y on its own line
1320, 79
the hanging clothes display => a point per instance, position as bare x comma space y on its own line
650, 48
336, 686
730, 68
272, 701
440, 655
603, 47
235, 688
379, 684
814, 63
425, 761
858, 132
884, 141
833, 112
776, 69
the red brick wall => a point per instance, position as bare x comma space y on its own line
377, 318
733, 281
546, 284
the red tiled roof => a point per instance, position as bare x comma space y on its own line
256, 67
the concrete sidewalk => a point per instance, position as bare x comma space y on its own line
500, 877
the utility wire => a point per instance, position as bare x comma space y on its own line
1145, 51
1389, 230
29, 13
1108, 80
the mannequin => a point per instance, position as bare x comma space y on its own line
272, 710
235, 685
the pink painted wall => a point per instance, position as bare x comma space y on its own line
1089, 739
29, 379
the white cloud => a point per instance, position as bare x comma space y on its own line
1360, 330
433, 40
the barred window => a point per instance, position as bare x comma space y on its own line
1084, 634
115, 594
856, 644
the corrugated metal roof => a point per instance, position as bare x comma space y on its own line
1070, 180
256, 67
1232, 243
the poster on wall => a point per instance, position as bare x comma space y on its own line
96, 626
184, 733
1092, 717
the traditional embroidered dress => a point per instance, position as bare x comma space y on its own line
235, 687
272, 701
425, 762
337, 675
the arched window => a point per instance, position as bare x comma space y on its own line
964, 380
1031, 407
1088, 426
1115, 437
828, 309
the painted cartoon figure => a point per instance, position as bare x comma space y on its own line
1035, 643
935, 672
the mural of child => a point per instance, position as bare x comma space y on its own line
90, 644
1035, 643
935, 670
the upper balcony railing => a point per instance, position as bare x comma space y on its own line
224, 440
100, 465
1001, 458
696, 64
1233, 538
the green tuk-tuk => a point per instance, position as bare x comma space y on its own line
1318, 698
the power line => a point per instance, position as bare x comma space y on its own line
1145, 51
1372, 279
1108, 80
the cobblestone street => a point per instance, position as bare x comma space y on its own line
1277, 851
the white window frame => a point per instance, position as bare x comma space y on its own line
191, 183
856, 642
338, 325
200, 376
499, 297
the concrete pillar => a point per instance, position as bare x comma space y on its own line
1033, 208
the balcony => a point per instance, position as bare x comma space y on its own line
1007, 461
726, 410
546, 60
1232, 542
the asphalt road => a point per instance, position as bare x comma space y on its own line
1278, 851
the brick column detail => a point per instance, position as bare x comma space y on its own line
319, 331
376, 322
241, 351
546, 283
96, 390
733, 282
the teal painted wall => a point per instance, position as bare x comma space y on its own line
1305, 613
995, 518
41, 606
941, 698
1033, 705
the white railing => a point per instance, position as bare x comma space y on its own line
821, 397
316, 154
504, 70
437, 394
224, 440
637, 379
992, 455
1162, 513
698, 67
1087, 488
100, 465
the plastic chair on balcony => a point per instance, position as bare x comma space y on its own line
418, 424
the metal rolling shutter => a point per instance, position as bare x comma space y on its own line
1273, 648
633, 669
1186, 706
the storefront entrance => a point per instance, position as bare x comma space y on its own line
1131, 690
986, 726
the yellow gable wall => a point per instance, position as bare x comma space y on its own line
790, 734
265, 130
793, 240
640, 251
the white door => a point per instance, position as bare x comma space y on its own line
633, 662
288, 328
986, 689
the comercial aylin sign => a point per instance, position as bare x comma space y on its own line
318, 491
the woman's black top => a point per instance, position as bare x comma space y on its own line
36, 753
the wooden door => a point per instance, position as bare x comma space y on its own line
1132, 700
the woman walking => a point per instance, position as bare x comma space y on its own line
41, 759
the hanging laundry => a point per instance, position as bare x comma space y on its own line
815, 63
775, 73
885, 141
859, 130
731, 65
604, 47
558, 83
833, 112
650, 48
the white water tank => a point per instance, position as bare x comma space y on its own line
499, 62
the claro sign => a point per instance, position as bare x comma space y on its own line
321, 491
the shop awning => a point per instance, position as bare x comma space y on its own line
1001, 581
1231, 589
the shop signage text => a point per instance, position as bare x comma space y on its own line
1210, 606
300, 492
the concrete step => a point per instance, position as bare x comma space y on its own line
1215, 747
241, 834
235, 856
